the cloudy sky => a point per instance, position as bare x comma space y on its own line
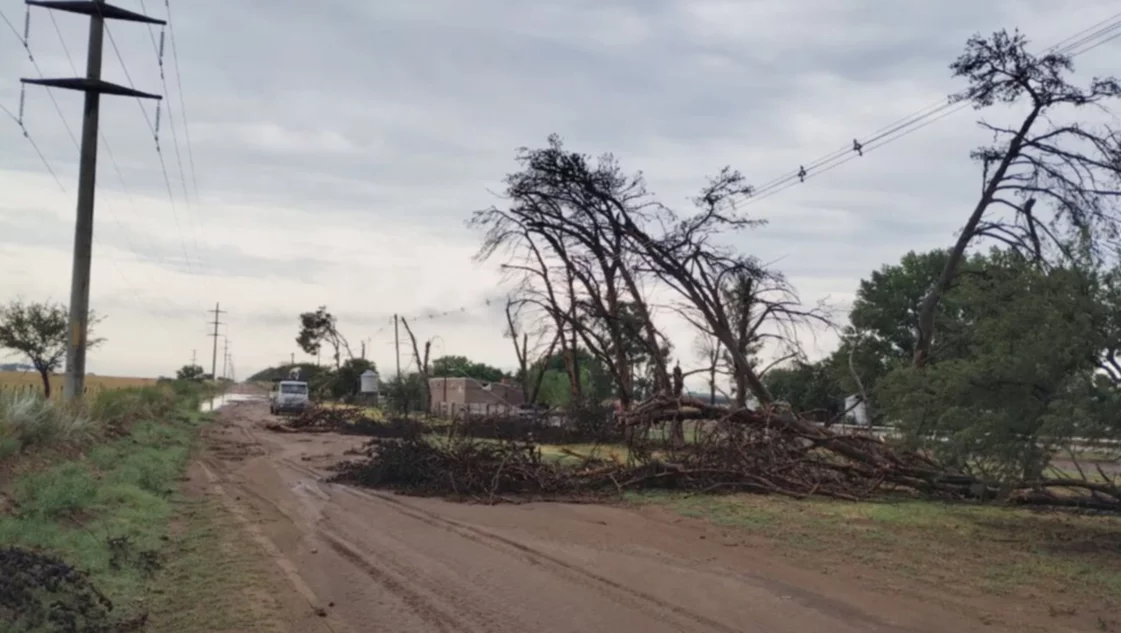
339, 146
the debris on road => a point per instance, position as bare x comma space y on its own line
768, 452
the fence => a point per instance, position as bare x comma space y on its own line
474, 409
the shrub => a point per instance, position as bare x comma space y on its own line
28, 420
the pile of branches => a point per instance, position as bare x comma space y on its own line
463, 467
770, 452
42, 593
348, 421
776, 451
514, 428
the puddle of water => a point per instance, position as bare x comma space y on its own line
218, 402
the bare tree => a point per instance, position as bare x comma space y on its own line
1066, 167
730, 296
708, 348
421, 363
564, 231
529, 356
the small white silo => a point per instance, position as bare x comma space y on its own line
368, 382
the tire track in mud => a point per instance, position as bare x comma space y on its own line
287, 567
509, 547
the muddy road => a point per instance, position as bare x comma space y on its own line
348, 559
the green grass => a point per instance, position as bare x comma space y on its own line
122, 489
30, 423
991, 549
213, 577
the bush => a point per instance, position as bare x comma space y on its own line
28, 420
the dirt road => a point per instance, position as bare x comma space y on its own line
360, 560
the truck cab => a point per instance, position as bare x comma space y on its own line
288, 396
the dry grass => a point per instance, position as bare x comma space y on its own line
14, 380
1065, 564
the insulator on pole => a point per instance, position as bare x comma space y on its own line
156, 130
22, 101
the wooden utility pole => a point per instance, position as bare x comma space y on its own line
93, 87
397, 344
214, 356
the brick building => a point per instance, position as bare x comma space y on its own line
451, 396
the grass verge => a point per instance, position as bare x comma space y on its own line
105, 507
212, 576
1071, 562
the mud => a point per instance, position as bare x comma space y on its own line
362, 560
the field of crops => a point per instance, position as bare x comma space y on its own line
16, 380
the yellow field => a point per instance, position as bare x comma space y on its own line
10, 380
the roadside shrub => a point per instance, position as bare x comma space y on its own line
119, 409
28, 420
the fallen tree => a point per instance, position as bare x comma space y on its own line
768, 451
348, 421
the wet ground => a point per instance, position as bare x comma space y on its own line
349, 559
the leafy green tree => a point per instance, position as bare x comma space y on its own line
809, 388
1021, 381
594, 378
405, 393
319, 327
884, 319
191, 373
348, 379
41, 332
463, 367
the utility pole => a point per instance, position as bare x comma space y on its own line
363, 350
292, 360
225, 354
397, 344
214, 356
194, 357
93, 86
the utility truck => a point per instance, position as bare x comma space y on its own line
288, 396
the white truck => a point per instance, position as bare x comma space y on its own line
288, 396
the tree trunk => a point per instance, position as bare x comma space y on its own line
45, 375
712, 386
925, 336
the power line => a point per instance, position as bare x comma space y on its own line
1073, 45
27, 135
112, 159
24, 40
182, 102
159, 50
154, 129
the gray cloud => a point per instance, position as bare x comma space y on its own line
340, 146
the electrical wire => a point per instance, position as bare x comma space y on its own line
23, 40
27, 135
182, 102
191, 211
1073, 45
163, 163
